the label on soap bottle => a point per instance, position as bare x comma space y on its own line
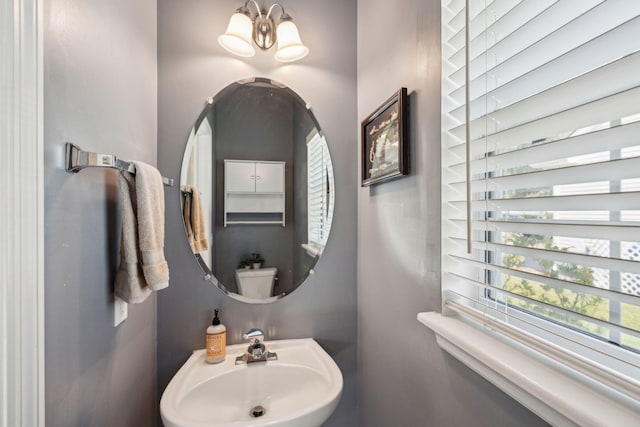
216, 347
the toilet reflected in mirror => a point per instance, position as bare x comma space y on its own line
256, 283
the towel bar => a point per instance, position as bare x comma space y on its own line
77, 159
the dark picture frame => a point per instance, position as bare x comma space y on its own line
384, 141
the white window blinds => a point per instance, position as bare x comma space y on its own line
541, 174
320, 192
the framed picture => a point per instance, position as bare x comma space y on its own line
385, 135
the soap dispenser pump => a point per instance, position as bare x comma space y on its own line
216, 340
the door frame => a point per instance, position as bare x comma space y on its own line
21, 215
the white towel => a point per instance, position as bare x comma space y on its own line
143, 267
150, 198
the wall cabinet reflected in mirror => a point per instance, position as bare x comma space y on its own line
261, 170
254, 192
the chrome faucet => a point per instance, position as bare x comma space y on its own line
256, 352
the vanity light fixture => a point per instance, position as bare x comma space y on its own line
243, 27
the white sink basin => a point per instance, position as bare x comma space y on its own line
302, 388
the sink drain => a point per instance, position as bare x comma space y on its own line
257, 411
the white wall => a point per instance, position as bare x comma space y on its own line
404, 378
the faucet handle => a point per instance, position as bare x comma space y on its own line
256, 351
253, 334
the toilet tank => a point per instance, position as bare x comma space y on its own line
256, 283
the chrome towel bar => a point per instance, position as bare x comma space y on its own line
77, 159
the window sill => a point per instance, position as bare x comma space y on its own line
312, 250
553, 395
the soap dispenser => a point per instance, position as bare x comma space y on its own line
216, 341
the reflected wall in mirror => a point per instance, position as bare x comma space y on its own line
257, 190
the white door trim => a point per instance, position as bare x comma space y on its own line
21, 215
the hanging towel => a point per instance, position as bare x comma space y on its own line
194, 219
143, 267
150, 198
186, 214
130, 284
199, 229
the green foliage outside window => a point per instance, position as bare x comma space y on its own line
578, 302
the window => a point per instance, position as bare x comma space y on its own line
320, 193
541, 174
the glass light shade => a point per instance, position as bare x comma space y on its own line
290, 48
237, 39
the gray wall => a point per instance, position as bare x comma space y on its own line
408, 380
99, 92
263, 123
191, 66
254, 123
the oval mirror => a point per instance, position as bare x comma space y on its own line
257, 190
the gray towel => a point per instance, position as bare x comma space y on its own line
143, 267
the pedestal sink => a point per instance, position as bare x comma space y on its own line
300, 389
